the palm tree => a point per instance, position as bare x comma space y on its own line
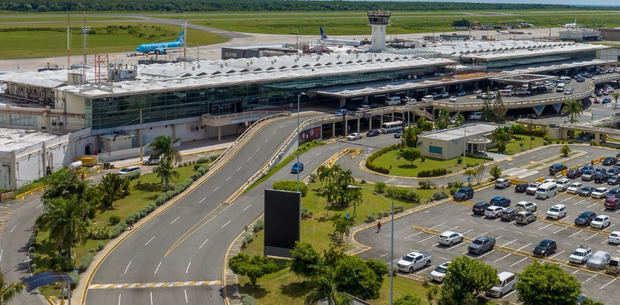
501, 136
573, 109
443, 120
163, 147
615, 95
165, 171
325, 288
111, 188
65, 221
8, 290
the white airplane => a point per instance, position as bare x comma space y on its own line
571, 25
346, 42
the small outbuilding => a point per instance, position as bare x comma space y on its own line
450, 143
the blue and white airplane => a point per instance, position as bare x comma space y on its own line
161, 47
346, 42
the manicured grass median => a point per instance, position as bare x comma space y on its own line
401, 167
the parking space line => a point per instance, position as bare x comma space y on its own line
545, 227
483, 255
576, 233
454, 228
595, 234
592, 205
593, 276
412, 235
560, 230
496, 238
603, 287
501, 258
576, 270
467, 231
552, 256
507, 295
523, 247
604, 241
521, 260
508, 243
439, 225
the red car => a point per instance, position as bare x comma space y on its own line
612, 203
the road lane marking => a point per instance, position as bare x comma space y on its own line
545, 227
127, 268
39, 206
154, 285
1, 251
576, 233
185, 291
119, 299
151, 298
216, 188
175, 220
203, 243
228, 179
149, 241
202, 200
13, 228
603, 287
249, 205
224, 225
187, 269
560, 230
250, 159
157, 269
520, 261
258, 149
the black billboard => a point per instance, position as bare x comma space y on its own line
282, 222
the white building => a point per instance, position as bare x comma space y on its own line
450, 143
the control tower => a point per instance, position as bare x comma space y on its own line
378, 20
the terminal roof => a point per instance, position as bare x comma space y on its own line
16, 139
469, 130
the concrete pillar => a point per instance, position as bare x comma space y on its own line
370, 123
392, 116
597, 136
366, 99
358, 124
219, 133
346, 127
381, 121
333, 129
343, 102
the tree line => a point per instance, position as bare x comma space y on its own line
257, 5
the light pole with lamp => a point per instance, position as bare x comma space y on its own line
298, 137
355, 187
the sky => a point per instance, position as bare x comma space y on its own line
572, 2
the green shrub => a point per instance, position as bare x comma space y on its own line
100, 246
118, 229
161, 199
247, 239
399, 209
291, 185
114, 219
426, 185
203, 169
305, 213
375, 155
441, 194
594, 143
403, 194
99, 233
377, 168
203, 160
247, 300
259, 225
370, 217
459, 160
133, 175
380, 187
433, 172
85, 261
214, 157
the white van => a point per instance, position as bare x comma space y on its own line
566, 79
506, 92
546, 190
507, 282
129, 170
392, 100
559, 87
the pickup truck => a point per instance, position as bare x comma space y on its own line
414, 261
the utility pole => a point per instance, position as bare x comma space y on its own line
140, 136
68, 42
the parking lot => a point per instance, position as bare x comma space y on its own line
514, 242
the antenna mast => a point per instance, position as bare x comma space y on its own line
68, 42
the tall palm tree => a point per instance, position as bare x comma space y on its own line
443, 120
163, 146
111, 188
573, 109
325, 288
8, 290
501, 136
165, 171
65, 221
615, 95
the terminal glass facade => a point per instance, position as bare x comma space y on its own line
107, 112
526, 61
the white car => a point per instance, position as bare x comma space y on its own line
526, 206
574, 187
557, 211
601, 222
428, 98
354, 136
614, 237
532, 187
453, 99
475, 116
549, 180
562, 184
449, 238
440, 272
493, 211
599, 192
413, 261
502, 183
580, 255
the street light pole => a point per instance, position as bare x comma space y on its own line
298, 137
391, 237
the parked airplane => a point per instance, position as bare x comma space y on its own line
161, 47
571, 25
355, 43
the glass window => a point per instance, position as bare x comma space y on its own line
435, 149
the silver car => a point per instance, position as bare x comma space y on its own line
598, 260
440, 272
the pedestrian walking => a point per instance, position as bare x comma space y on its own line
378, 226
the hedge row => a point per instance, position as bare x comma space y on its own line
291, 185
433, 172
375, 155
403, 194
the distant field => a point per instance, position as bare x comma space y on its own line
59, 18
43, 40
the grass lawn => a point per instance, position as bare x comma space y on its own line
42, 40
283, 287
515, 144
144, 190
401, 167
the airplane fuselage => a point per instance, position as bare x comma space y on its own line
158, 47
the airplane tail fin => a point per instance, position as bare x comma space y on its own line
181, 37
323, 35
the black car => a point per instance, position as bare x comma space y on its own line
500, 201
373, 133
398, 134
609, 161
508, 214
520, 187
613, 180
573, 174
556, 168
585, 191
481, 245
545, 248
480, 207
585, 218
600, 177
464, 193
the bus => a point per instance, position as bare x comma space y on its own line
392, 127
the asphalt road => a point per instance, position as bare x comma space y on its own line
514, 242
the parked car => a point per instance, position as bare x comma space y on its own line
585, 218
373, 133
444, 94
599, 192
556, 168
526, 206
298, 167
152, 161
341, 112
398, 134
439, 273
562, 184
531, 189
449, 238
129, 170
453, 99
354, 136
546, 190
612, 203
573, 174
598, 260
580, 255
428, 98
475, 116
520, 187
461, 93
614, 192
613, 267
506, 284
574, 187
480, 207
587, 175
477, 91
464, 193
414, 261
601, 222
508, 214
609, 161
502, 183
493, 211
600, 177
525, 217
481, 245
557, 211
613, 180
500, 201
585, 191
614, 238
545, 248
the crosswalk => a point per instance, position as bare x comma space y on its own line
154, 285
520, 173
